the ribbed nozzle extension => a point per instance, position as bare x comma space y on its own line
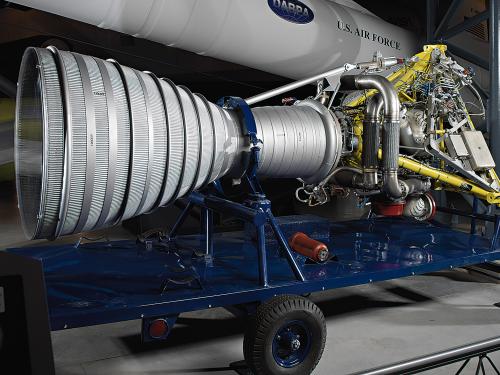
98, 142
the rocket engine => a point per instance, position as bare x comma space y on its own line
407, 134
97, 142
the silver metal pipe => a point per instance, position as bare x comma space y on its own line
390, 155
388, 62
415, 185
392, 187
428, 362
383, 85
347, 176
374, 108
297, 84
371, 131
390, 141
370, 178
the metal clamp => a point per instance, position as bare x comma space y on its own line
250, 128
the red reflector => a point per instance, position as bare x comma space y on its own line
158, 328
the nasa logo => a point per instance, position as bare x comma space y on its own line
292, 10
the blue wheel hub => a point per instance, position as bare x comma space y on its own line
291, 344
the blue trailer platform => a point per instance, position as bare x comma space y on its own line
100, 283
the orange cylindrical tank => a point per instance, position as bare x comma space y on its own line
305, 245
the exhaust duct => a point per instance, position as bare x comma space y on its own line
98, 143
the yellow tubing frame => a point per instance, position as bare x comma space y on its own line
406, 76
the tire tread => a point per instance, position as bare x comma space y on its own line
266, 314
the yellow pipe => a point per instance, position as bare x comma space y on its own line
406, 96
441, 131
406, 76
458, 182
403, 76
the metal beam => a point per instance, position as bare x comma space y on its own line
468, 23
431, 20
443, 25
435, 360
494, 101
467, 55
297, 84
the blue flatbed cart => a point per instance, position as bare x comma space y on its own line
252, 271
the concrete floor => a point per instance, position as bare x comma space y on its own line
367, 326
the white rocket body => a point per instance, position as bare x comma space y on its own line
289, 38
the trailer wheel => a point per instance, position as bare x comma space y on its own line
286, 337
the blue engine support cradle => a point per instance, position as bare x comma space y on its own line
257, 208
100, 283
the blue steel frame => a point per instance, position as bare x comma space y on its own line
256, 210
110, 282
495, 219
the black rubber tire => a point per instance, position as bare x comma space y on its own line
269, 317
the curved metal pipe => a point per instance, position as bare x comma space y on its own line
347, 176
434, 360
415, 185
380, 83
392, 187
374, 108
371, 134
390, 140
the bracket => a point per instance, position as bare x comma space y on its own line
256, 210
